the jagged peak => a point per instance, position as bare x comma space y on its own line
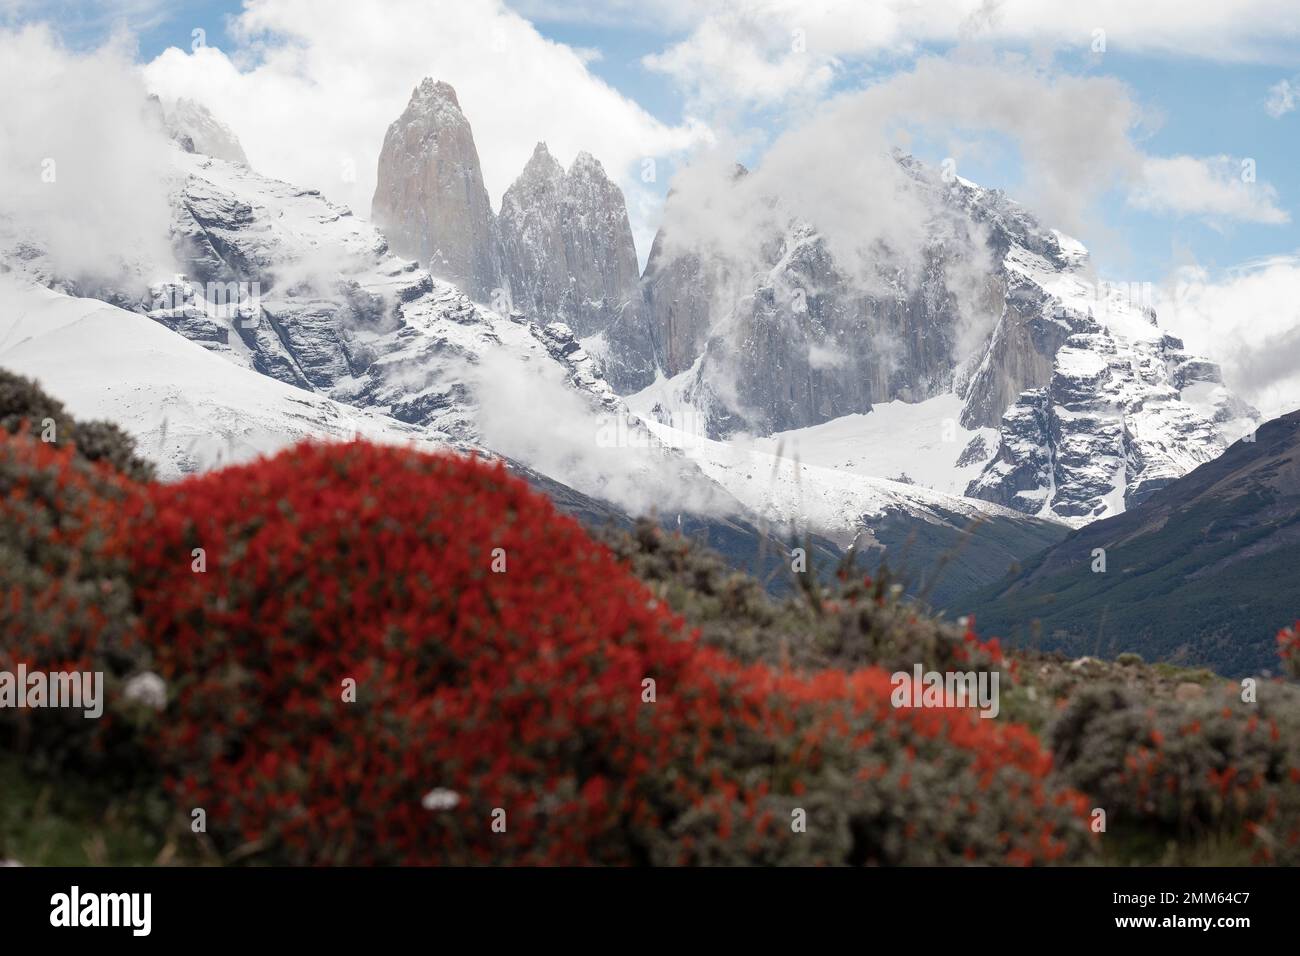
542, 165
431, 90
587, 166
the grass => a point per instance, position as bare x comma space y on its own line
77, 822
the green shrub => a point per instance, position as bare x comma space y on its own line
26, 407
847, 621
1188, 769
66, 603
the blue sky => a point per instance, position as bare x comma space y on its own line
1201, 106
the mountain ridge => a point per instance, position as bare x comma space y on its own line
1200, 572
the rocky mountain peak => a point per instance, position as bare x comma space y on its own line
570, 257
562, 245
433, 93
587, 166
430, 200
542, 167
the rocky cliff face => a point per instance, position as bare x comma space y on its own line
795, 340
682, 289
1123, 410
569, 255
430, 200
679, 293
1095, 405
560, 251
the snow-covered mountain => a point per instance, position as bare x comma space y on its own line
1069, 398
1073, 404
295, 291
1122, 410
569, 255
188, 408
789, 394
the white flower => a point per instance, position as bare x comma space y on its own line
146, 688
440, 799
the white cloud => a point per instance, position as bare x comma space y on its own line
734, 60
1218, 188
1282, 97
84, 167
525, 410
313, 86
1248, 321
836, 171
743, 47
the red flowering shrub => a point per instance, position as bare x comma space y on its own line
1288, 649
65, 600
878, 785
1187, 768
501, 661
373, 656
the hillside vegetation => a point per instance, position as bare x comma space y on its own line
356, 654
1205, 571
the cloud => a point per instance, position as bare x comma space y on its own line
1218, 188
735, 42
312, 87
880, 221
738, 61
527, 412
1282, 97
84, 169
836, 170
1248, 321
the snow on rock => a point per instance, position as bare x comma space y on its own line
1124, 409
192, 124
570, 257
187, 408
829, 500
335, 312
